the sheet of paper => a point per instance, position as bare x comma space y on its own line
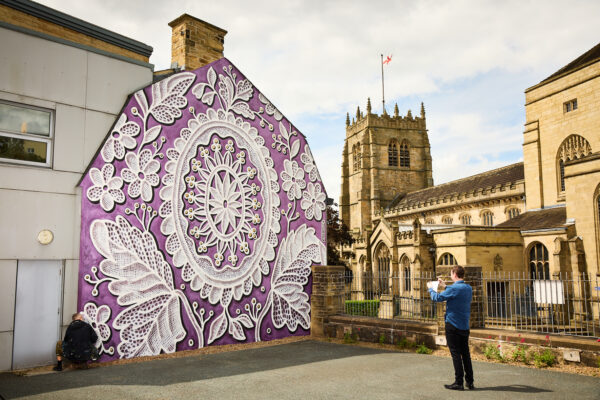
433, 285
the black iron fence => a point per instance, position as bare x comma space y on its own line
565, 304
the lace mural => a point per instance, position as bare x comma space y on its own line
201, 217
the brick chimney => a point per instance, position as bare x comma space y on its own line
195, 43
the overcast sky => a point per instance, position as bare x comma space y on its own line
468, 61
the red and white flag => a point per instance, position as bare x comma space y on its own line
387, 60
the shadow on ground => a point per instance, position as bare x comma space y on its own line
181, 370
515, 388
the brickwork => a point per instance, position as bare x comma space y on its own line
23, 20
195, 43
327, 295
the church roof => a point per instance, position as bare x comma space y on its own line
555, 217
509, 174
587, 58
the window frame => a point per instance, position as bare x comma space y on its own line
49, 140
570, 106
393, 153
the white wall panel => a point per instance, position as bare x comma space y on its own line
69, 133
40, 68
8, 280
97, 125
6, 343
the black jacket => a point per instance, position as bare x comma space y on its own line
79, 341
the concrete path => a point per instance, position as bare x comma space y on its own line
300, 370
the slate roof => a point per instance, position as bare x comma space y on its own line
506, 175
586, 58
542, 219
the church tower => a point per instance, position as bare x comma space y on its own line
383, 156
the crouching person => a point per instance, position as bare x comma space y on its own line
78, 345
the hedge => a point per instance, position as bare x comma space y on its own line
366, 308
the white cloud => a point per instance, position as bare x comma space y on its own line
315, 58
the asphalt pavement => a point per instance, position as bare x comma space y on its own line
300, 370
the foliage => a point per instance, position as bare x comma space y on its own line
492, 352
404, 343
423, 349
382, 339
350, 338
365, 308
520, 355
544, 359
337, 234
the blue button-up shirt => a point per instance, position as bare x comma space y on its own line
458, 303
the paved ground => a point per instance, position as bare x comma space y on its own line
300, 370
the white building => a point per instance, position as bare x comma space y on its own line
62, 82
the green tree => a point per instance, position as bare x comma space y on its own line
337, 234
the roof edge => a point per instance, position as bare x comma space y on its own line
78, 25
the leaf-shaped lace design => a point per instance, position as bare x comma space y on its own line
298, 251
168, 97
142, 281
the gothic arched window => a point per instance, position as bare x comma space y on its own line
446, 219
447, 259
572, 148
465, 219
356, 155
538, 262
406, 272
393, 154
383, 258
487, 218
404, 154
512, 212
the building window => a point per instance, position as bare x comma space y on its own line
465, 219
513, 213
404, 154
25, 134
356, 157
393, 154
572, 148
487, 218
429, 221
538, 262
446, 219
570, 105
383, 268
447, 259
406, 271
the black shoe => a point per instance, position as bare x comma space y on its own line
470, 386
455, 386
57, 368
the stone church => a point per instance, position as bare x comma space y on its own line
538, 218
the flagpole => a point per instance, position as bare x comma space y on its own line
382, 86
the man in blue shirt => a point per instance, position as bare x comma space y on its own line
458, 311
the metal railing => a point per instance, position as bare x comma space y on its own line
562, 304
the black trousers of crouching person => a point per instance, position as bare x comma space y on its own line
458, 343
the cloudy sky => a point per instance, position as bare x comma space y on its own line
468, 61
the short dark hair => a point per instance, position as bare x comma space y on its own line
459, 271
75, 316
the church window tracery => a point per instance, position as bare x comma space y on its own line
465, 219
539, 266
487, 218
404, 154
393, 154
447, 259
356, 154
572, 148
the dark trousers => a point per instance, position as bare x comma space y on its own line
458, 343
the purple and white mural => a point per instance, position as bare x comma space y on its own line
201, 217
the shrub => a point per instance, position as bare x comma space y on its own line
350, 338
365, 308
422, 349
544, 359
382, 339
520, 354
404, 343
492, 352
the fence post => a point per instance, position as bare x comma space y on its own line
327, 295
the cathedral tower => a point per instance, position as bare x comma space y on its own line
383, 156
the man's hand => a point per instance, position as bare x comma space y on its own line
442, 284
